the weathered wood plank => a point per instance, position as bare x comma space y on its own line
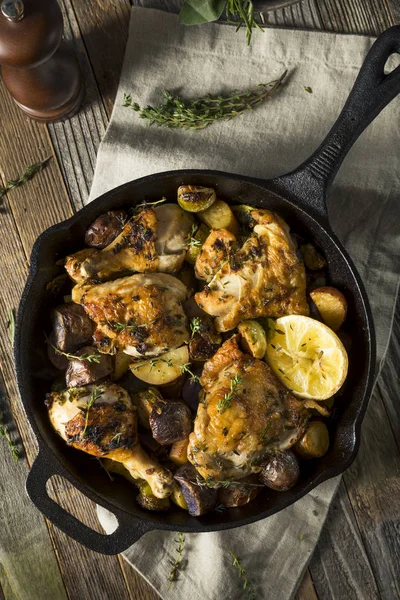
306, 589
28, 565
359, 16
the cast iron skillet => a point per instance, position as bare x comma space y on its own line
300, 198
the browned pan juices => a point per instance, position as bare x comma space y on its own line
299, 198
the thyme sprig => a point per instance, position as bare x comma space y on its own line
146, 204
211, 482
241, 12
195, 325
94, 396
11, 325
192, 241
22, 179
199, 113
91, 358
186, 369
247, 587
177, 565
10, 442
226, 401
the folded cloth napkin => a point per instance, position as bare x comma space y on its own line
274, 138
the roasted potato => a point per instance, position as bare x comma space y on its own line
59, 361
200, 499
149, 444
205, 340
191, 390
219, 216
195, 198
315, 442
82, 371
105, 229
121, 365
240, 494
144, 401
177, 497
170, 421
147, 500
195, 243
331, 305
71, 326
281, 472
317, 407
313, 260
253, 338
243, 214
178, 452
162, 369
187, 276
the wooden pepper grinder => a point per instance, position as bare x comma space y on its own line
39, 71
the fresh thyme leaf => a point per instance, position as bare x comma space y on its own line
301, 536
211, 482
91, 358
94, 396
192, 241
264, 432
29, 173
186, 369
11, 444
145, 204
226, 401
11, 325
308, 89
197, 114
247, 587
242, 13
195, 325
177, 565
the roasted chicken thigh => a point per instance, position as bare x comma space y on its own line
263, 278
140, 315
102, 421
246, 415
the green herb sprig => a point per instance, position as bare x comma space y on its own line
177, 565
241, 12
94, 396
247, 587
91, 358
199, 113
186, 369
30, 172
211, 482
195, 325
226, 401
11, 444
192, 241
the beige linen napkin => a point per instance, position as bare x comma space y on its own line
276, 137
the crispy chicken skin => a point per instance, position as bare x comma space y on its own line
215, 251
106, 427
154, 240
246, 415
264, 278
140, 315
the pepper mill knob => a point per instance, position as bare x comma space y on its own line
39, 71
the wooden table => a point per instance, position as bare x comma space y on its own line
358, 555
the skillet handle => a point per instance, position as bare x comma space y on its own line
129, 528
372, 91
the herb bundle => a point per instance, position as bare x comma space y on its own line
29, 173
176, 113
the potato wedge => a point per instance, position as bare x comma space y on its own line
162, 369
243, 214
178, 452
313, 260
194, 198
177, 497
253, 338
332, 306
219, 216
315, 441
144, 402
195, 243
121, 365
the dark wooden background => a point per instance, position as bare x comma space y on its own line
358, 555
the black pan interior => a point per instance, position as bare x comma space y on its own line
34, 372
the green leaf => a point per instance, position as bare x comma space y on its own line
195, 12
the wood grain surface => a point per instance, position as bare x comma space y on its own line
358, 555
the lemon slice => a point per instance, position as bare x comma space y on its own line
306, 356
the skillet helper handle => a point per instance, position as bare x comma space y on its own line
129, 529
372, 91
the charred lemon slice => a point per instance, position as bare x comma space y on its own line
306, 356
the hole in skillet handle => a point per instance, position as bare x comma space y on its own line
373, 89
129, 529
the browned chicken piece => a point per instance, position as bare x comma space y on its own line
74, 263
214, 253
141, 315
102, 421
264, 278
246, 416
154, 240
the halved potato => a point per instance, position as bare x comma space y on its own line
312, 258
195, 243
315, 441
178, 452
253, 338
331, 304
177, 497
121, 365
219, 216
243, 214
194, 198
162, 369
